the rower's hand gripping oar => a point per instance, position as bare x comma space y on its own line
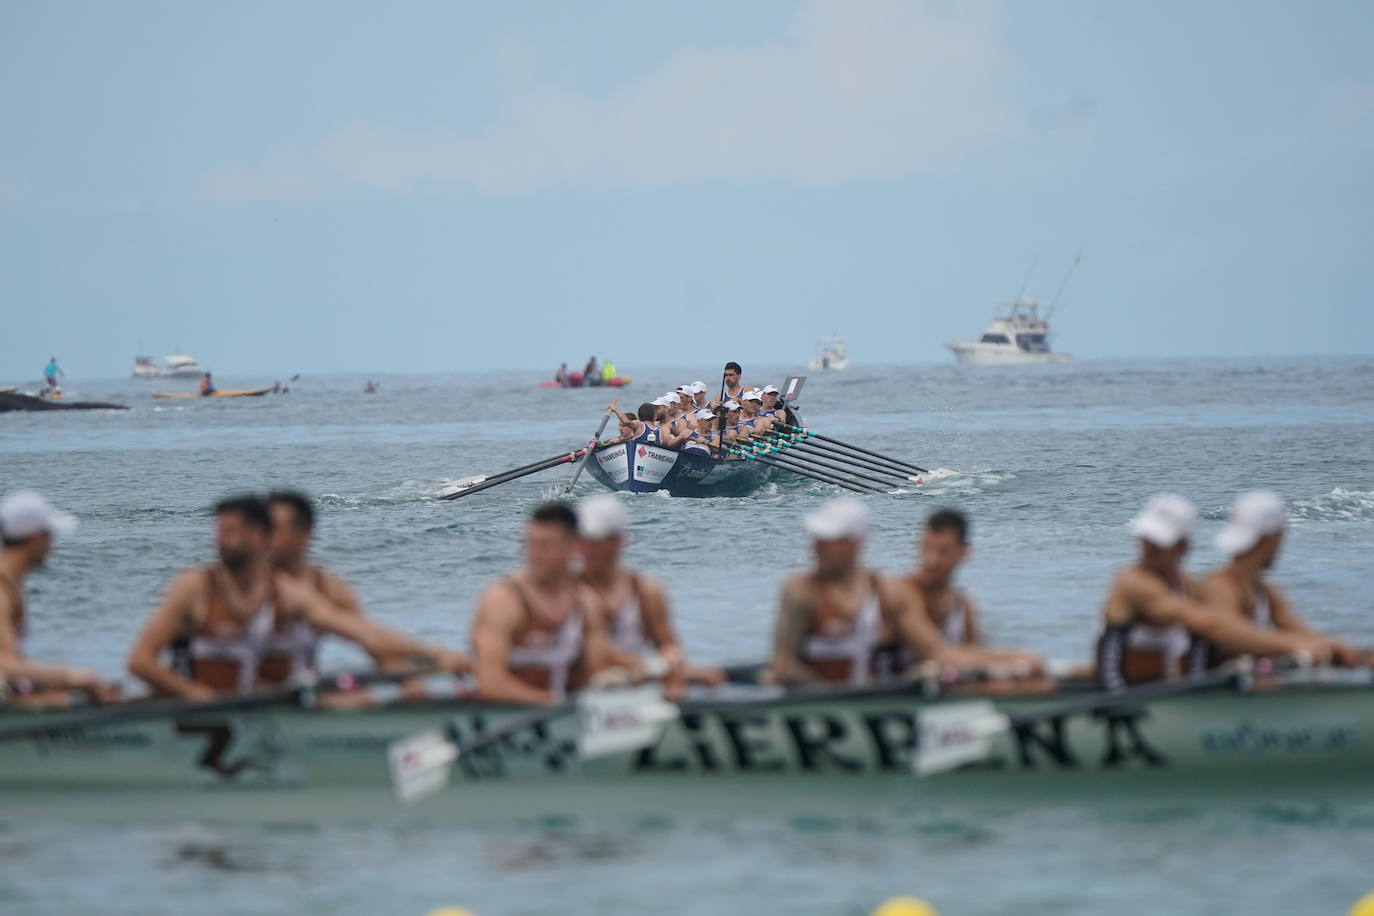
617, 720
591, 445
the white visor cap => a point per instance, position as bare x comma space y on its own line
1167, 519
704, 414
600, 517
24, 513
752, 396
841, 518
1254, 515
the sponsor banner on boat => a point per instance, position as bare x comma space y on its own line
652, 463
612, 461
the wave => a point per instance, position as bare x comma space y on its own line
1340, 505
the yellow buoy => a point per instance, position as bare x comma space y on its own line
1364, 906
450, 911
912, 906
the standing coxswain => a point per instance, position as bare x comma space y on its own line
1252, 538
535, 633
1155, 621
240, 625
27, 528
734, 388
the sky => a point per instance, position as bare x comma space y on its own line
431, 186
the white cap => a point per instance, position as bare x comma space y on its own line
731, 405
841, 518
705, 414
1254, 515
600, 517
698, 387
24, 513
684, 389
664, 401
770, 389
752, 396
1167, 519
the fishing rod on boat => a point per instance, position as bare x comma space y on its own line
469, 485
591, 445
1054, 303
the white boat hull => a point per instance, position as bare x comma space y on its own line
980, 354
848, 753
831, 365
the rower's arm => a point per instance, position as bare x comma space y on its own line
973, 621
493, 629
796, 610
658, 622
342, 596
1161, 605
14, 665
167, 622
1286, 617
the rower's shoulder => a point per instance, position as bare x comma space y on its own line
499, 595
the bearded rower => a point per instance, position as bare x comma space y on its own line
633, 607
1156, 623
1252, 539
27, 527
844, 624
536, 634
239, 625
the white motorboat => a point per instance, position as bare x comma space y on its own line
145, 367
181, 365
1017, 336
832, 355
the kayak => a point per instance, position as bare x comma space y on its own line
850, 752
242, 393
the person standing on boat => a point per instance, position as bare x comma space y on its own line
607, 372
591, 374
207, 386
944, 546
1252, 539
839, 622
535, 633
734, 389
241, 625
28, 525
1155, 621
50, 374
633, 607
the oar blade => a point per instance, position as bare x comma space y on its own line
950, 735
621, 720
420, 765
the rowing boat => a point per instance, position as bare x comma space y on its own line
636, 467
240, 393
847, 752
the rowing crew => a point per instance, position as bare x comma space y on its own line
684, 419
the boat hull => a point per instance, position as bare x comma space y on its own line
638, 468
849, 753
13, 401
979, 354
244, 393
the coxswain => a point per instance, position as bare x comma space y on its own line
240, 625
734, 389
842, 623
944, 547
536, 634
633, 606
1155, 622
1252, 538
207, 386
28, 525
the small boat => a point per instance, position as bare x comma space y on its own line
179, 365
620, 381
145, 367
833, 356
1017, 336
639, 468
13, 401
240, 393
846, 752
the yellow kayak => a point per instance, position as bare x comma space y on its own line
242, 393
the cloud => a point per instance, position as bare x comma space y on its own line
865, 89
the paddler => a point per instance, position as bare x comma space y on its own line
536, 633
50, 373
734, 389
241, 625
207, 386
1252, 538
28, 525
944, 546
844, 624
1155, 622
633, 606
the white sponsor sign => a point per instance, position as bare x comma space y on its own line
652, 463
612, 461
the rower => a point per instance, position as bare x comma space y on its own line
1252, 538
750, 417
27, 528
699, 396
532, 636
633, 607
643, 427
207, 386
703, 438
771, 408
733, 388
944, 547
839, 622
733, 433
1155, 621
236, 626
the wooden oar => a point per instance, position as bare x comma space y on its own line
863, 451
301, 693
591, 445
486, 483
814, 475
610, 721
950, 735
